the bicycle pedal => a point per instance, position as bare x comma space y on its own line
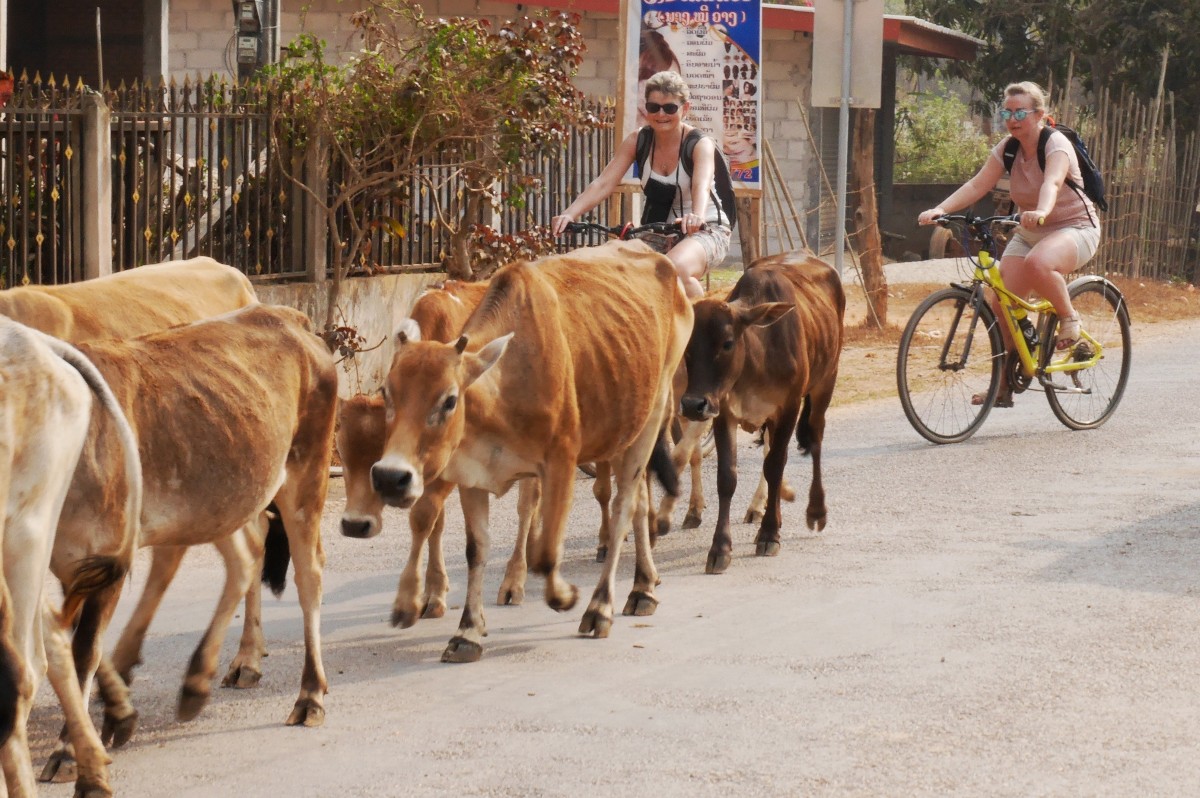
1082, 352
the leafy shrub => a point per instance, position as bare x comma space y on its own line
936, 139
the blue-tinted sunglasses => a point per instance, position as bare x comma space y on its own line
1018, 114
669, 109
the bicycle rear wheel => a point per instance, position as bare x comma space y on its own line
950, 351
1092, 394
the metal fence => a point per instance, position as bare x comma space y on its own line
194, 172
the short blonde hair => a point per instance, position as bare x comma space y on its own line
669, 83
1029, 89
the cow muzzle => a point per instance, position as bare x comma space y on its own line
398, 486
359, 526
698, 408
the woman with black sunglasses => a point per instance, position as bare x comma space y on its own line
1058, 233
672, 194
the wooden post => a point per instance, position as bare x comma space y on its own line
749, 228
866, 239
97, 187
316, 245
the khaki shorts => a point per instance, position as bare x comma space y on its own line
715, 241
1087, 241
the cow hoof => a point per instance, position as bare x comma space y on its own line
191, 701
85, 788
60, 768
601, 553
767, 548
403, 619
560, 604
691, 521
752, 516
718, 562
306, 712
243, 677
511, 596
662, 527
595, 623
816, 522
460, 649
433, 609
640, 603
787, 493
117, 731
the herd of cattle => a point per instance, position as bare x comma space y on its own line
128, 402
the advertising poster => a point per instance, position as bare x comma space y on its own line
717, 47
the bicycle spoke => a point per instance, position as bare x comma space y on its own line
1105, 318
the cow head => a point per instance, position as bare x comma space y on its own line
716, 351
360, 434
424, 410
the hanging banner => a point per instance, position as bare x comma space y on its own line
716, 45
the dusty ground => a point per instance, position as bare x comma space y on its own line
1011, 616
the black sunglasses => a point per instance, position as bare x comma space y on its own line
669, 108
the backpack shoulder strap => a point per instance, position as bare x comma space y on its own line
689, 144
642, 153
1043, 137
1010, 153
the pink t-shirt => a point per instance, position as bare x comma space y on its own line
1071, 209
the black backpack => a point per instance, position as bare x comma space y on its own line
1093, 182
722, 184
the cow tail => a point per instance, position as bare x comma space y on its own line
662, 466
276, 552
99, 572
10, 670
804, 433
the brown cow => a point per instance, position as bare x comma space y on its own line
44, 419
767, 356
231, 414
572, 363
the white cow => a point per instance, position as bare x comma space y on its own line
45, 410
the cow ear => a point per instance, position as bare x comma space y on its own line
479, 362
408, 332
760, 315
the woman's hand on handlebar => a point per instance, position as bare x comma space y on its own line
558, 225
930, 216
691, 223
1033, 219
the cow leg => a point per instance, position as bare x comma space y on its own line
245, 671
529, 495
812, 434
437, 580
197, 684
696, 503
721, 553
300, 502
685, 451
92, 761
602, 491
22, 640
127, 654
754, 513
766, 543
467, 643
14, 754
558, 489
422, 519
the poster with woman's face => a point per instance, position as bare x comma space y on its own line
716, 47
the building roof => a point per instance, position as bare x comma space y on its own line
911, 36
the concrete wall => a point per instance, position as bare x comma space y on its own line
374, 306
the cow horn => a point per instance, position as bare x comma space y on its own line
409, 331
460, 345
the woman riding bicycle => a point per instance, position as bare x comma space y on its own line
1059, 231
671, 193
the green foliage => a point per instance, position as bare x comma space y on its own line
936, 141
1117, 44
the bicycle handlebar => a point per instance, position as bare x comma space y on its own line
626, 231
1012, 219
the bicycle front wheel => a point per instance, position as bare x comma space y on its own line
1089, 396
950, 352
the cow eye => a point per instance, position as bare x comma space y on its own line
450, 403
728, 345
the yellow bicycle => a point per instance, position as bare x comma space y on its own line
952, 350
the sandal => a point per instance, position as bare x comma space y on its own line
1068, 333
1002, 399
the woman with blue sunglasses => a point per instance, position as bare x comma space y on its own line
1058, 233
672, 193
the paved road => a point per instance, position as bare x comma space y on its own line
1016, 615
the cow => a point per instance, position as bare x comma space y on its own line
767, 357
231, 414
566, 360
45, 405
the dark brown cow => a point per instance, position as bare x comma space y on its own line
767, 356
572, 362
231, 414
